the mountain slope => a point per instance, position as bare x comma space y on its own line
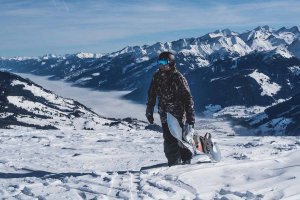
280, 119
25, 104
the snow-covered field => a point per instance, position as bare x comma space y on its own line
125, 163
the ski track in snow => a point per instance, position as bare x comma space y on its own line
130, 164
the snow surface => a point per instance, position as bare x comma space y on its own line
278, 51
96, 74
284, 52
54, 116
6, 114
88, 55
263, 80
125, 163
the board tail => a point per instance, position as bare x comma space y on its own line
216, 153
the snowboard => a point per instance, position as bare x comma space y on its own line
195, 143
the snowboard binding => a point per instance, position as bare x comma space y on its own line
203, 144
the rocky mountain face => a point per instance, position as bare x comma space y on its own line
257, 67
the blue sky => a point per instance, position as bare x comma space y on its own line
37, 27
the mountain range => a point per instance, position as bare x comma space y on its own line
259, 67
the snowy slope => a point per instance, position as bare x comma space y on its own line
115, 105
25, 104
280, 119
112, 163
268, 88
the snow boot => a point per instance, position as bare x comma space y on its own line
175, 162
186, 162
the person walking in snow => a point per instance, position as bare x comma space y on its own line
174, 96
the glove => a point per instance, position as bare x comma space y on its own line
150, 118
188, 132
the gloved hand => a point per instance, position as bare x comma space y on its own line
188, 132
150, 118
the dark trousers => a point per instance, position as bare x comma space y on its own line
172, 150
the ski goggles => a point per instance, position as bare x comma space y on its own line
162, 62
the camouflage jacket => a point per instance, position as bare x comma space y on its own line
174, 96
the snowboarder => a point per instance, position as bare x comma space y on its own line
174, 96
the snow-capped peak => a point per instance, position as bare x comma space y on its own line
126, 49
281, 50
49, 56
294, 29
88, 55
222, 33
19, 58
264, 28
294, 48
227, 32
260, 33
